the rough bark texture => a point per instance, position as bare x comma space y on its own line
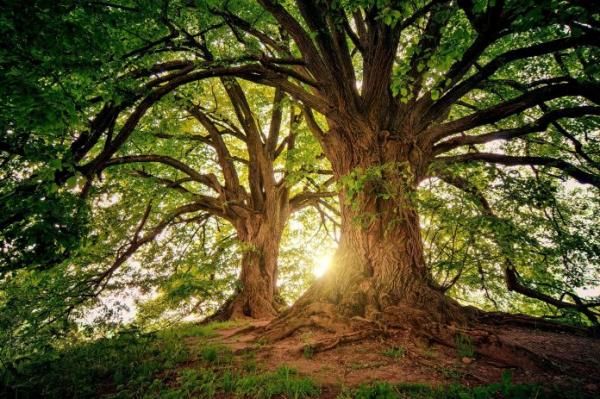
260, 235
378, 274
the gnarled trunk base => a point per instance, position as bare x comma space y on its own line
352, 307
240, 306
360, 309
434, 319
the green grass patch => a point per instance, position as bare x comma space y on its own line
308, 351
161, 365
197, 330
395, 352
464, 346
504, 389
284, 381
216, 355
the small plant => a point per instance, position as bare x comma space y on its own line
216, 355
308, 351
209, 354
464, 346
379, 390
249, 363
285, 382
228, 381
395, 352
201, 383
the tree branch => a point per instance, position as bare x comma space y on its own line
510, 273
508, 134
439, 107
208, 180
509, 160
511, 107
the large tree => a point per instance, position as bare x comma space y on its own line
397, 93
260, 179
87, 105
406, 90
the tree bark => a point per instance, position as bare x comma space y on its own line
256, 295
378, 272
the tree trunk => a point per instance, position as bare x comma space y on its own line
256, 295
378, 272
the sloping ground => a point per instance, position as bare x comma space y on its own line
566, 362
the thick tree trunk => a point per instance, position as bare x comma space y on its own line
256, 296
378, 273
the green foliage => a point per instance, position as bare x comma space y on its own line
395, 352
127, 362
132, 364
308, 351
464, 346
536, 222
381, 390
389, 182
284, 381
44, 226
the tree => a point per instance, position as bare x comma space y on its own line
397, 94
399, 86
252, 147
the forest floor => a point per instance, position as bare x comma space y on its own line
231, 360
571, 362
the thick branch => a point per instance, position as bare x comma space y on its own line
232, 181
508, 134
208, 180
514, 106
489, 69
509, 160
305, 199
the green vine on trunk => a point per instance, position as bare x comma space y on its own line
390, 181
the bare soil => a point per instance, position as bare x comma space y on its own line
567, 359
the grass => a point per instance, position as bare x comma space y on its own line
395, 352
284, 381
464, 346
308, 351
216, 355
162, 366
150, 366
205, 383
249, 363
503, 390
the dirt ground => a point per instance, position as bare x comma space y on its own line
563, 359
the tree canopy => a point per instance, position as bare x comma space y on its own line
448, 148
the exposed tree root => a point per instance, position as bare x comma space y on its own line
477, 333
330, 343
317, 316
489, 345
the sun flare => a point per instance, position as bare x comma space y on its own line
321, 264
